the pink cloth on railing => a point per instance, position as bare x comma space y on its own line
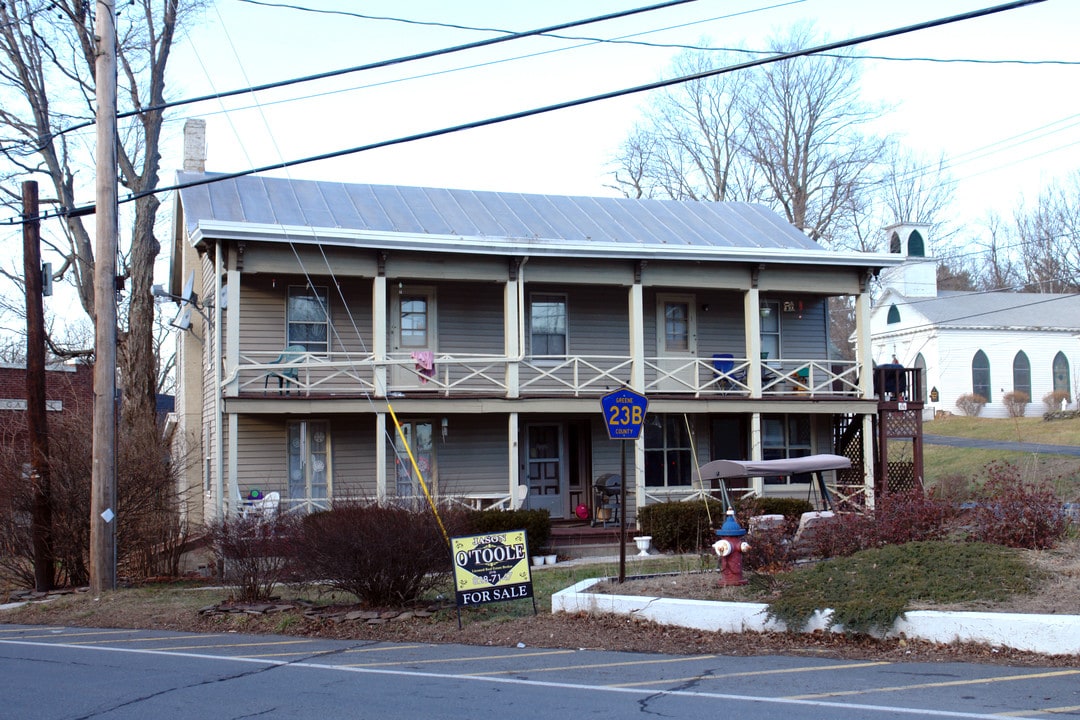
425, 364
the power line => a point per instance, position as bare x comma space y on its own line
385, 63
836, 45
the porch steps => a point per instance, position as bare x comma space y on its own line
582, 541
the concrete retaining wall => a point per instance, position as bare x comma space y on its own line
1046, 634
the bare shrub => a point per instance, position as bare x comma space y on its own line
910, 516
1054, 400
1016, 512
150, 531
971, 404
382, 555
771, 551
1016, 403
255, 551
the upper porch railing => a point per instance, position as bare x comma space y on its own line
319, 375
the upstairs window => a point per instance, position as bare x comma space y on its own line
308, 318
547, 324
414, 320
980, 375
894, 315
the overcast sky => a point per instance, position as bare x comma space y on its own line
1010, 129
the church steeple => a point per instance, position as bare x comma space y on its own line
917, 276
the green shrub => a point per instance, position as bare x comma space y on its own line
535, 523
681, 526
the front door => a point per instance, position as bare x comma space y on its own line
546, 469
412, 324
676, 343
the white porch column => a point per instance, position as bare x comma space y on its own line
637, 337
756, 450
863, 350
234, 442
752, 323
868, 459
637, 380
512, 430
232, 322
513, 306
380, 458
378, 332
219, 410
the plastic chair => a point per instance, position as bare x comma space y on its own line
723, 364
288, 376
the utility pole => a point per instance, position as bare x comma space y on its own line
36, 420
103, 473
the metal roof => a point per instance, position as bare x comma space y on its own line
1044, 311
439, 219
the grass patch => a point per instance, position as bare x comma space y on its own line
1026, 429
871, 589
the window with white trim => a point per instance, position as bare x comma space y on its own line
308, 318
547, 324
783, 437
669, 460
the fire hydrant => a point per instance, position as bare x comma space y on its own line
730, 550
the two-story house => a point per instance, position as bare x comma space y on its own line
488, 326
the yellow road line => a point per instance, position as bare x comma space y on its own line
234, 645
23, 629
141, 639
753, 673
589, 667
460, 659
386, 648
923, 686
79, 634
1039, 711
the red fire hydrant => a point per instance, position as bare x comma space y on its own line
730, 550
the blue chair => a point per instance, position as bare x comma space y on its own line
723, 364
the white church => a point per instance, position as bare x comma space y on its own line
980, 343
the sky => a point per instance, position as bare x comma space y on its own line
1009, 130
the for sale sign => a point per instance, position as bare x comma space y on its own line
491, 568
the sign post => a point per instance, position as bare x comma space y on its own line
624, 414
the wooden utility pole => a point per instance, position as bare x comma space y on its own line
103, 473
37, 427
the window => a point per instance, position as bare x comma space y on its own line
668, 459
782, 437
916, 247
677, 326
894, 315
547, 324
419, 436
894, 243
980, 375
1061, 375
308, 318
770, 331
309, 463
414, 321
1022, 374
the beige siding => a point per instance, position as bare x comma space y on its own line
353, 443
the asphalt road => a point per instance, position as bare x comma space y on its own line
58, 673
1036, 448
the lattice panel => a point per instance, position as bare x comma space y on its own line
902, 423
901, 476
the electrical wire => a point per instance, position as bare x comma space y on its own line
835, 45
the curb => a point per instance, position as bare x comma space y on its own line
1043, 634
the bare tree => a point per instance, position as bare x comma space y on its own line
805, 135
47, 61
689, 146
1049, 234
